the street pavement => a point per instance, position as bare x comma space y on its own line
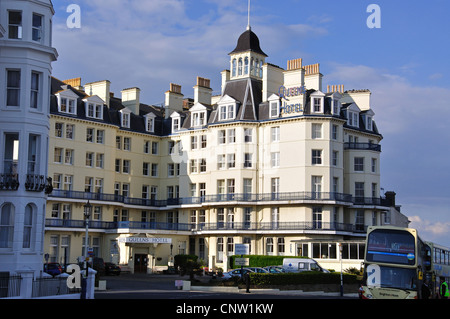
156, 286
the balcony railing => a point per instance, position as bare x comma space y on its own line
9, 182
215, 198
217, 226
38, 183
362, 146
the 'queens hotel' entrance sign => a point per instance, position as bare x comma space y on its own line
274, 162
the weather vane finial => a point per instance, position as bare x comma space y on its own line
248, 24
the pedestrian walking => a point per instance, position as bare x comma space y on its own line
444, 289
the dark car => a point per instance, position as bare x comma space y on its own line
53, 269
112, 269
99, 265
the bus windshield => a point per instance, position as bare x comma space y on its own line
391, 246
394, 277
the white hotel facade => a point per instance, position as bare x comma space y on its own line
276, 161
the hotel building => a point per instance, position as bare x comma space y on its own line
275, 161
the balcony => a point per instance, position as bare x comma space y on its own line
362, 146
38, 183
207, 227
207, 199
9, 182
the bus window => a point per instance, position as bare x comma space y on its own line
391, 246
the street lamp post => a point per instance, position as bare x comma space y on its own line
342, 282
87, 215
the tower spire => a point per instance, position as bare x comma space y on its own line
248, 23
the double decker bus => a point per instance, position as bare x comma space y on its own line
396, 263
440, 267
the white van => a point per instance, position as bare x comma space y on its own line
301, 264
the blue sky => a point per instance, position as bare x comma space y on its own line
405, 64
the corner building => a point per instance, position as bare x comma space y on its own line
274, 161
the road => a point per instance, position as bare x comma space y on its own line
141, 286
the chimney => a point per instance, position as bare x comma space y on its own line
130, 99
202, 91
390, 198
99, 88
173, 100
75, 83
225, 78
294, 64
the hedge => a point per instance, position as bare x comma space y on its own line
306, 277
260, 260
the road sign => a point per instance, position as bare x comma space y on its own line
241, 249
242, 261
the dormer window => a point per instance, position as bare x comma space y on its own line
317, 102
150, 122
336, 107
353, 115
176, 121
67, 102
198, 115
125, 117
94, 107
226, 108
368, 119
274, 106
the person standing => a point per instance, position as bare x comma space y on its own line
444, 289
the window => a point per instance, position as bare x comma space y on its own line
154, 170
317, 106
90, 135
232, 135
275, 159
170, 169
374, 165
274, 109
34, 93
317, 217
66, 104
68, 180
68, 157
202, 165
193, 166
334, 132
275, 186
15, 25
145, 167
203, 139
247, 160
11, 155
59, 129
175, 124
6, 225
222, 137
90, 160
37, 28
269, 245
57, 181
194, 142
126, 167
359, 164
127, 143
281, 245
57, 155
335, 158
221, 161
100, 136
316, 186
275, 134
94, 110
150, 122
99, 160
13, 88
155, 146
198, 119
248, 132
70, 129
316, 131
171, 147
119, 142
316, 157
359, 189
125, 119
231, 160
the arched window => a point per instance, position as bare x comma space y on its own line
28, 226
246, 65
234, 67
6, 225
240, 66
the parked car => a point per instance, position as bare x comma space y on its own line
99, 265
53, 269
274, 269
258, 270
235, 273
112, 269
